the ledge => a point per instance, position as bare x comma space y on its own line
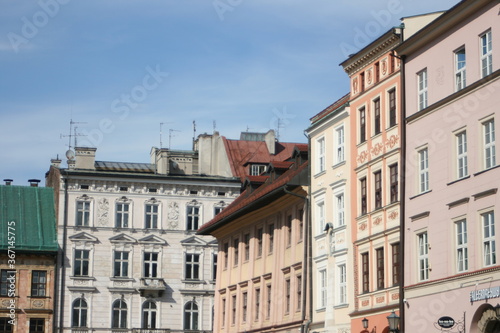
420, 216
420, 194
458, 202
458, 180
485, 193
486, 170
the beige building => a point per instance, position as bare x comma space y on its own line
330, 214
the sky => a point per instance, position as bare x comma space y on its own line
132, 75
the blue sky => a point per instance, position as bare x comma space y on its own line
120, 68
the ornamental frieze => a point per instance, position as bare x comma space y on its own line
377, 149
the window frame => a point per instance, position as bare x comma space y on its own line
150, 267
37, 286
377, 119
377, 181
149, 315
362, 124
462, 251
342, 284
122, 214
82, 310
462, 168
83, 266
151, 217
396, 263
392, 107
365, 272
193, 214
488, 238
422, 89
119, 314
340, 208
121, 265
486, 53
36, 325
394, 182
423, 170
460, 69
423, 256
363, 196
340, 144
489, 143
192, 266
83, 210
380, 262
321, 157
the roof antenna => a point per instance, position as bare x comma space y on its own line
71, 134
170, 131
161, 125
214, 125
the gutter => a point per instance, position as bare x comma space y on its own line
62, 254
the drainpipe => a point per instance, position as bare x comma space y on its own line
62, 256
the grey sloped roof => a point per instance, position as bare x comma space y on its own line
124, 166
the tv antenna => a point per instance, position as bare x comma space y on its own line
161, 125
72, 134
170, 131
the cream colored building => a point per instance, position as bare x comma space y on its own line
330, 215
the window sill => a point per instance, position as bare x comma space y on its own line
420, 194
486, 170
82, 277
193, 281
320, 173
321, 310
458, 180
341, 306
39, 297
339, 164
122, 279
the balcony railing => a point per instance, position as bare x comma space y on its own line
153, 287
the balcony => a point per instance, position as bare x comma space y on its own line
152, 287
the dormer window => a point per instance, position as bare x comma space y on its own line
257, 169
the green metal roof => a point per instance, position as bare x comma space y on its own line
33, 213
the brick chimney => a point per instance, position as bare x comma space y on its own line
8, 182
34, 182
85, 158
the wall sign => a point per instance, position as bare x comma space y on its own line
446, 322
487, 293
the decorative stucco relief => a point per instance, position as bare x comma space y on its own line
173, 215
102, 212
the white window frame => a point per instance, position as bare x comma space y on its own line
422, 89
460, 71
340, 209
149, 315
462, 163
489, 246
486, 52
322, 288
489, 143
423, 170
83, 215
257, 169
82, 309
122, 215
342, 284
193, 217
122, 262
461, 246
423, 256
151, 218
192, 266
339, 144
321, 166
119, 314
320, 215
82, 260
152, 263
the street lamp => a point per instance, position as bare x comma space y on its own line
393, 322
497, 310
364, 321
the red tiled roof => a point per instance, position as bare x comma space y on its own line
342, 100
242, 152
246, 200
281, 165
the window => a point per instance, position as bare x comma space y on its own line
362, 125
150, 264
223, 312
339, 198
377, 71
37, 325
462, 251
5, 326
193, 217
233, 310
461, 140
79, 313
259, 242
257, 169
392, 107
340, 144
486, 54
226, 255
489, 144
380, 268
323, 292
422, 90
7, 278
423, 170
119, 316
122, 210
151, 216
244, 307
287, 296
460, 69
271, 238
489, 239
149, 314
342, 286
393, 171
289, 230
378, 189
321, 155
192, 266
423, 257
365, 273
257, 303
362, 184
38, 283
246, 239
395, 264
214, 266
191, 316
362, 81
320, 213
81, 263
269, 299
82, 213
376, 111
299, 292
120, 264
217, 210
236, 246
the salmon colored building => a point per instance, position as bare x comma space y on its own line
262, 283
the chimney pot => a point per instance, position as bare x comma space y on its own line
8, 181
34, 182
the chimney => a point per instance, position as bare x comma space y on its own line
34, 182
270, 139
55, 162
8, 182
85, 158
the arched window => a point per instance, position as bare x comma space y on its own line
148, 314
191, 316
119, 319
79, 310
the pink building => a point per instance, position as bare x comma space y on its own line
452, 89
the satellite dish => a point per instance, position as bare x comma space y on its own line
70, 154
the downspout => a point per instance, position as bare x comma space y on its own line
62, 256
402, 205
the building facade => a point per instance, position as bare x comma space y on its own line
452, 79
330, 213
28, 245
261, 276
130, 258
